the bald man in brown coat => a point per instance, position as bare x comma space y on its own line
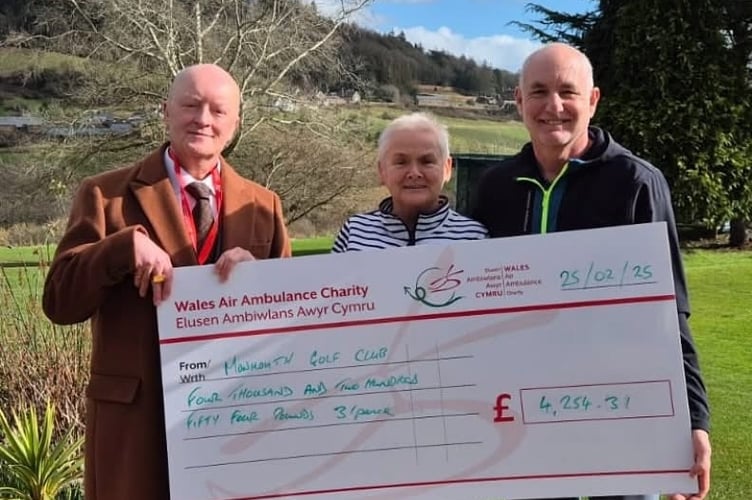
127, 230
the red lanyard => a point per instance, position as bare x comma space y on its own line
211, 238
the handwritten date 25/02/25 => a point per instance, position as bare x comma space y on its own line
598, 276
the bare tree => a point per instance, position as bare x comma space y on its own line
259, 41
262, 43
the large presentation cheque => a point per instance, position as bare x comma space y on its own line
524, 367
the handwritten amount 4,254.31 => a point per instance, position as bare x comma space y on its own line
582, 403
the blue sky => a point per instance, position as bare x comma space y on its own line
475, 28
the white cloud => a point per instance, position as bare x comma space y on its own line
499, 51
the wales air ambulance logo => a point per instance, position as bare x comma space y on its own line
436, 286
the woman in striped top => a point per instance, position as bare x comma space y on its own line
414, 164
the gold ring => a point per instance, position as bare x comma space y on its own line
158, 278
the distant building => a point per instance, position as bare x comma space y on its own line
95, 124
424, 99
16, 124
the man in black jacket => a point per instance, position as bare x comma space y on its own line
574, 176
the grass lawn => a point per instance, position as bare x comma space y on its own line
308, 246
30, 255
34, 255
721, 295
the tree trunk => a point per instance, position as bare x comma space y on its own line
738, 233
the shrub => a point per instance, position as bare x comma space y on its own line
34, 465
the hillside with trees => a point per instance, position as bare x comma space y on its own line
382, 60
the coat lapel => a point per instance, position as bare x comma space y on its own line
237, 210
153, 190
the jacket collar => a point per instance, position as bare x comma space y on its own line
602, 147
426, 221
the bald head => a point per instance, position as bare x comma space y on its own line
558, 55
210, 72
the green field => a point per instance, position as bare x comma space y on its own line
466, 135
486, 136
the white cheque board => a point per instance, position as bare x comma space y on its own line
525, 367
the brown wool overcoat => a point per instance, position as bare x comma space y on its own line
92, 277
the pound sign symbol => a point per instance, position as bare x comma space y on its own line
500, 407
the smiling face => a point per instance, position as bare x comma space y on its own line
556, 99
413, 168
201, 114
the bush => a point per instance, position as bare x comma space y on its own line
387, 93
